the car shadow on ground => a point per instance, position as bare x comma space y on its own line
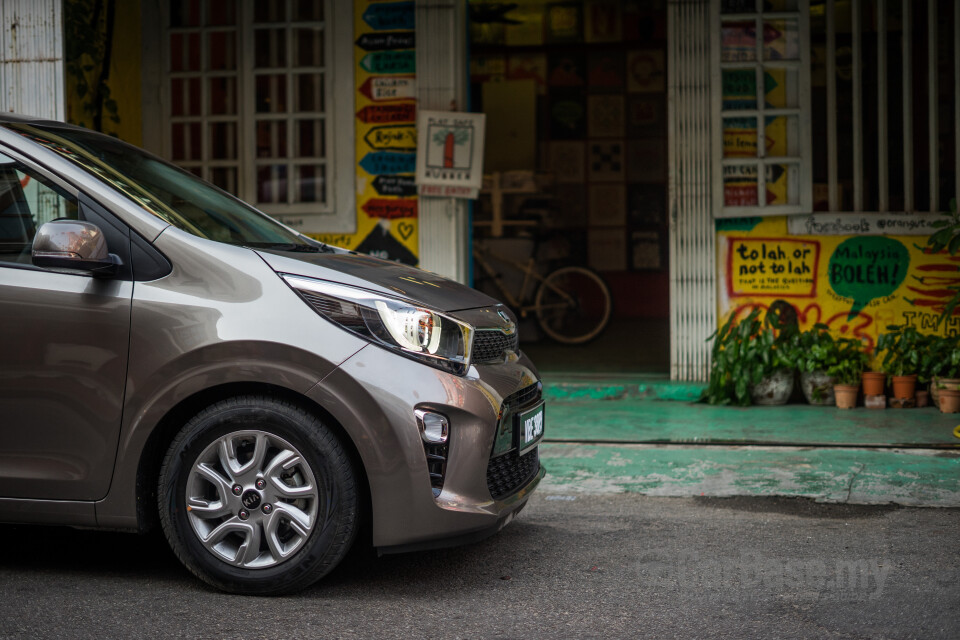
80, 553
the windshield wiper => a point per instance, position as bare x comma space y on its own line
286, 246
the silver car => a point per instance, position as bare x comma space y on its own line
170, 355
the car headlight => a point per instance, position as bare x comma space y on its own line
408, 328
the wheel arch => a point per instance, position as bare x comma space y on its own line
160, 438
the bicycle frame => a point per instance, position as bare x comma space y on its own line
529, 274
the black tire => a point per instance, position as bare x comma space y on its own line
335, 507
573, 305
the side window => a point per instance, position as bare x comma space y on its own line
27, 201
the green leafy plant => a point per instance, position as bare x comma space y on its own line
947, 237
812, 350
941, 359
902, 347
932, 358
851, 361
744, 353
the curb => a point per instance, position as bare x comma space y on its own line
559, 388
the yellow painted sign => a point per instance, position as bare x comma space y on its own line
766, 265
855, 284
385, 154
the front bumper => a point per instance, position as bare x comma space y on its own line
373, 395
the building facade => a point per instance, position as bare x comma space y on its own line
707, 156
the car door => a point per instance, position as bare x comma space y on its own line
63, 348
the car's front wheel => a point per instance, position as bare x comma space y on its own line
258, 496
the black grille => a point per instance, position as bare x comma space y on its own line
509, 472
436, 464
490, 346
522, 399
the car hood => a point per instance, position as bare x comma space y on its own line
381, 276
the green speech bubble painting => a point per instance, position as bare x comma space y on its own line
867, 267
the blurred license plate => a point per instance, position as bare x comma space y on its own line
529, 428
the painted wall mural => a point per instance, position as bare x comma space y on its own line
102, 66
856, 285
386, 137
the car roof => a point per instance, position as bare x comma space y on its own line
19, 117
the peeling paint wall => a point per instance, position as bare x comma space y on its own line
31, 58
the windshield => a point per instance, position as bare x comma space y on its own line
166, 191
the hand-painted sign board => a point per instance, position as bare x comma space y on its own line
864, 224
386, 41
392, 138
379, 113
390, 16
388, 162
390, 62
450, 153
390, 209
854, 282
395, 186
381, 89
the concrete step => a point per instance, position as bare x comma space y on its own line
640, 420
912, 477
565, 387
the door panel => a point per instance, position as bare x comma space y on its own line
63, 361
63, 349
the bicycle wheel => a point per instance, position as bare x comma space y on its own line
573, 305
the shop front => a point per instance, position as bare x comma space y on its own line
704, 157
813, 146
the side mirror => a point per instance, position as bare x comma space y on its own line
75, 245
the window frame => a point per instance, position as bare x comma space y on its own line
337, 214
803, 113
56, 182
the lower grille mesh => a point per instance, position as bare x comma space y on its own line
509, 472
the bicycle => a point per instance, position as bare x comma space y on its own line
572, 304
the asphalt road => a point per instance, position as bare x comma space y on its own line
620, 566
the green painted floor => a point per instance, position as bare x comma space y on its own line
857, 476
656, 421
641, 433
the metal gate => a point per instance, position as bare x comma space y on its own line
693, 300
31, 58
444, 225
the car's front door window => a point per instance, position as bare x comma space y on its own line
27, 201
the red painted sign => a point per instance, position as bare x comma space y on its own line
379, 113
386, 89
389, 208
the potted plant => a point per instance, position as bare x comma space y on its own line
748, 364
847, 372
931, 365
812, 353
874, 383
901, 347
949, 400
946, 375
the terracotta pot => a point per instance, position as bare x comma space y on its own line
904, 386
873, 383
846, 395
937, 383
949, 401
774, 389
817, 387
923, 398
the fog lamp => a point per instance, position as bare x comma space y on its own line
434, 427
